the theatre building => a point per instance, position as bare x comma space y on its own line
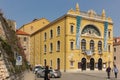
75, 41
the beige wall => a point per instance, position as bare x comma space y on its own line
116, 47
25, 45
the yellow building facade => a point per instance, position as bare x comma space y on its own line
34, 25
30, 28
75, 41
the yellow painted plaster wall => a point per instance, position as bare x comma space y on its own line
77, 54
65, 38
66, 54
54, 54
32, 49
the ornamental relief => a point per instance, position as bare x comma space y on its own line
91, 31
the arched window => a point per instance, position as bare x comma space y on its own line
45, 62
99, 46
92, 45
51, 47
45, 36
51, 33
58, 30
71, 45
58, 45
71, 28
83, 45
58, 63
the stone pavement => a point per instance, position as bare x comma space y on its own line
89, 75
29, 75
100, 74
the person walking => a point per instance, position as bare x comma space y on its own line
115, 69
108, 70
47, 73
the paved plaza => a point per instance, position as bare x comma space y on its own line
85, 75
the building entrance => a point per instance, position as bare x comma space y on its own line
92, 64
83, 64
99, 64
58, 64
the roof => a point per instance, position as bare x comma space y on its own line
19, 32
116, 44
34, 21
116, 38
116, 41
65, 15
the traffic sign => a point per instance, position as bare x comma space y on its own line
19, 60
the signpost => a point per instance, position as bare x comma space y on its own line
19, 60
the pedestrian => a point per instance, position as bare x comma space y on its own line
115, 69
47, 73
108, 70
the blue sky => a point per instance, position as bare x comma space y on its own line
24, 11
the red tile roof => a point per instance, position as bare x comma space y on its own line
116, 41
116, 44
19, 32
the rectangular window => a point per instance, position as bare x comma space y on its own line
114, 49
25, 39
109, 48
71, 63
114, 57
109, 34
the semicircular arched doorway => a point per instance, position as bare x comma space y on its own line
99, 64
92, 63
83, 66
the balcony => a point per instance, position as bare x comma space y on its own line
89, 52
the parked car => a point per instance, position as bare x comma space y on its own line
53, 73
37, 68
